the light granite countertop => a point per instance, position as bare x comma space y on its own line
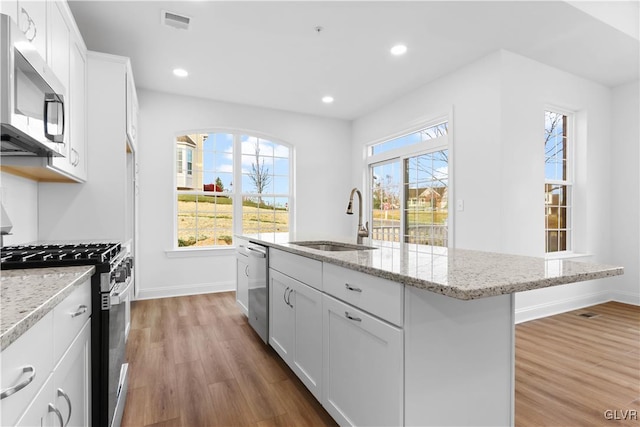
458, 273
28, 295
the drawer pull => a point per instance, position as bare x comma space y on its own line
81, 310
58, 414
61, 393
9, 391
350, 317
351, 288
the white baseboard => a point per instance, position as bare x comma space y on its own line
625, 297
561, 306
183, 290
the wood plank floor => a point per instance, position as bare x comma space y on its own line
576, 371
195, 361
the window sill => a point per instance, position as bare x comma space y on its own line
199, 252
566, 255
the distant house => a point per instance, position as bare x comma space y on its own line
430, 198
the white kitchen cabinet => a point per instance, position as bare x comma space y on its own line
29, 357
295, 328
57, 352
363, 367
67, 60
32, 21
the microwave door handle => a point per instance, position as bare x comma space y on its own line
50, 98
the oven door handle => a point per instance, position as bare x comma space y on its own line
118, 296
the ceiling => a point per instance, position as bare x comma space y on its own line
269, 53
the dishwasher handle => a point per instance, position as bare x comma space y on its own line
257, 252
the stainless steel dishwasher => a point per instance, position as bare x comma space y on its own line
259, 289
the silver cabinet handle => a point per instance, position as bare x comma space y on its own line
351, 288
246, 271
289, 299
284, 296
61, 393
9, 391
54, 409
350, 317
81, 310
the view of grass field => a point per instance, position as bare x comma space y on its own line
208, 220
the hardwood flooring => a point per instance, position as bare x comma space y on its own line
195, 361
579, 371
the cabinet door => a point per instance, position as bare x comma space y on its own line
71, 381
307, 325
363, 367
32, 21
242, 283
37, 413
77, 110
58, 60
280, 314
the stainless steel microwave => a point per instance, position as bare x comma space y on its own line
31, 102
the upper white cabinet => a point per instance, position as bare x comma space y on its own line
32, 20
58, 40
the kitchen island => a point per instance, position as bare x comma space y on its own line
409, 334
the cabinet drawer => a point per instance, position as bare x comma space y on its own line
69, 316
380, 297
303, 269
34, 349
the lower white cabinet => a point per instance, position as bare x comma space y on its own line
48, 370
295, 328
363, 367
64, 399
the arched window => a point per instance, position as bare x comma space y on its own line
230, 183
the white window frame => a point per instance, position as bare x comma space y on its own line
235, 194
569, 183
401, 154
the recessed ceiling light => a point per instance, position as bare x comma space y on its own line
399, 49
327, 99
180, 72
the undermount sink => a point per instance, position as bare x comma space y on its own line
332, 246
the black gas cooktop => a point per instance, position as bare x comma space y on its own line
57, 255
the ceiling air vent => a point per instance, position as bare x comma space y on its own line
174, 20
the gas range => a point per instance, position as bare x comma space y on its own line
111, 288
58, 255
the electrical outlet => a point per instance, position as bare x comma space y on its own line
460, 205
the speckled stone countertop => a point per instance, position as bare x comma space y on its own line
28, 295
458, 273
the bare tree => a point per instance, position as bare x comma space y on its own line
259, 174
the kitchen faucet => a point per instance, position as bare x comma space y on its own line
362, 230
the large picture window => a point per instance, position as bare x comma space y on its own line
410, 187
228, 184
558, 182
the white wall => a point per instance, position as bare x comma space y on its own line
472, 93
322, 173
625, 190
20, 199
498, 105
